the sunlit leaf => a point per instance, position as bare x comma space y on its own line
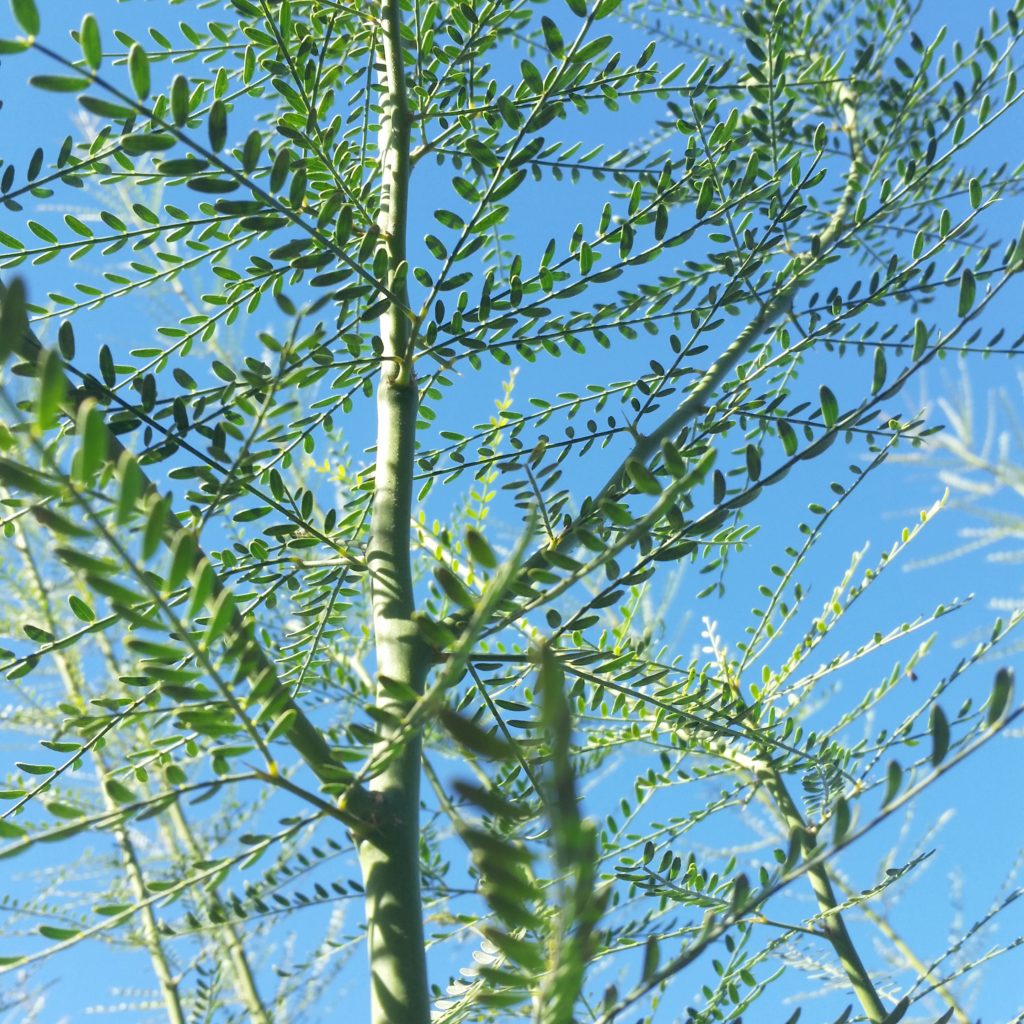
26, 15
138, 69
180, 100
829, 406
89, 39
59, 83
52, 388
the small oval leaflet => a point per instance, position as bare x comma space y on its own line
1002, 691
26, 14
179, 100
939, 728
893, 779
968, 290
218, 126
138, 70
89, 40
829, 405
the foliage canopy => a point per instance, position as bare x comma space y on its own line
329, 212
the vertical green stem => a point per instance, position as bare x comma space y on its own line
913, 960
832, 921
389, 845
227, 937
132, 868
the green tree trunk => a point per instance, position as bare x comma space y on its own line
389, 846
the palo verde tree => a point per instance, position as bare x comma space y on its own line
437, 658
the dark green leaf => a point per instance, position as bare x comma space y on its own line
879, 372
251, 151
63, 810
920, 339
221, 616
21, 478
509, 185
829, 406
106, 361
706, 197
156, 523
841, 820
718, 487
753, 460
147, 142
893, 780
466, 189
57, 522
787, 436
939, 727
138, 70
652, 957
212, 186
552, 37
1002, 691
66, 340
968, 289
13, 318
739, 896
179, 100
756, 51
279, 170
531, 76
674, 462
218, 125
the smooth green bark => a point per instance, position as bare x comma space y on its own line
832, 924
389, 844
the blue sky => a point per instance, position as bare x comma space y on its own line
978, 846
